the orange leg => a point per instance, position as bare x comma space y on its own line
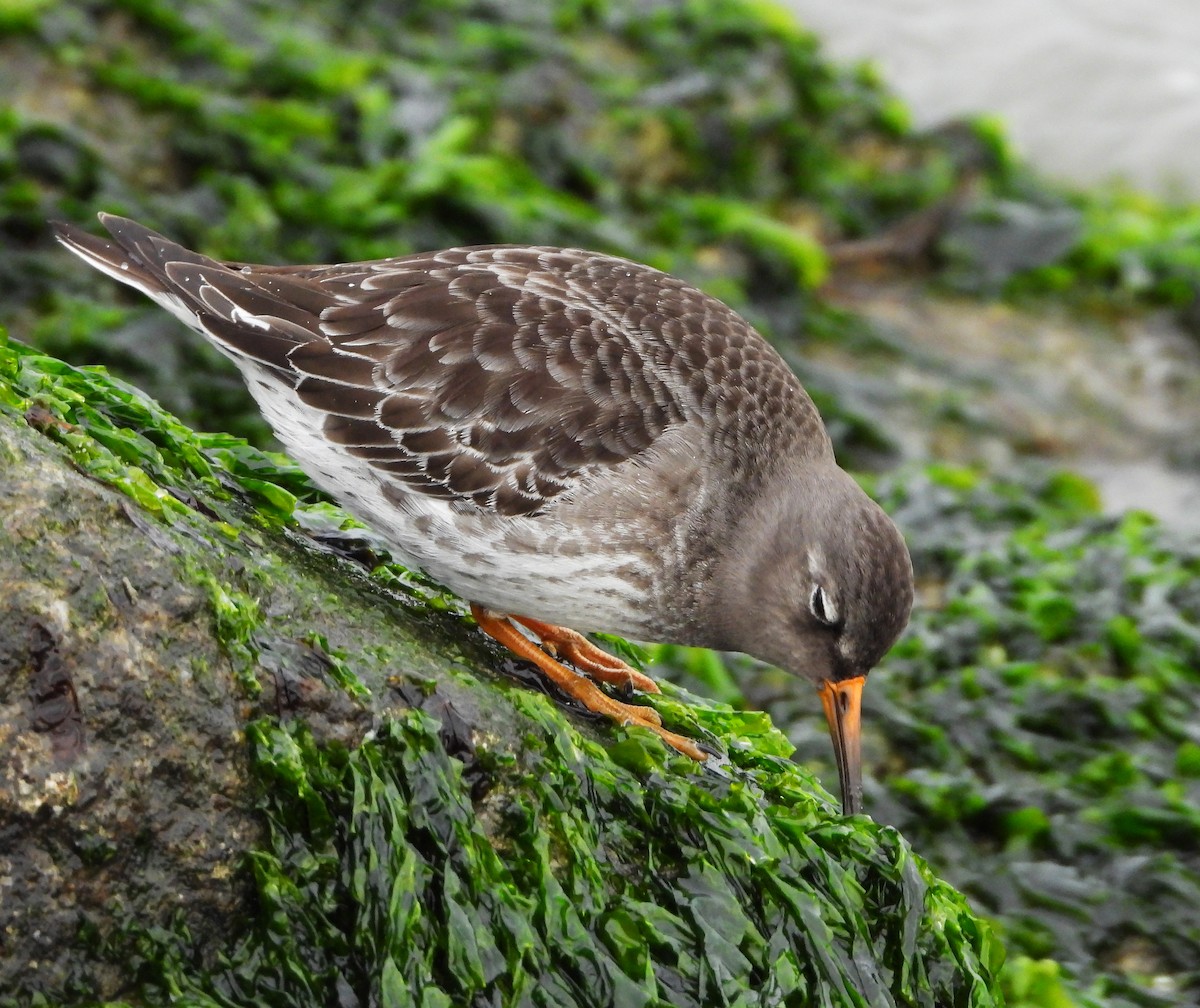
498, 627
584, 655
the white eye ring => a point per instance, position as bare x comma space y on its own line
821, 606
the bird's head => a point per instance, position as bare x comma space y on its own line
829, 583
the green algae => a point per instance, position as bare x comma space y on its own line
1133, 249
236, 616
379, 883
1060, 675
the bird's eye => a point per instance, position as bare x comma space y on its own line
822, 608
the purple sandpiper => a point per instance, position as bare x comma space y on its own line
565, 439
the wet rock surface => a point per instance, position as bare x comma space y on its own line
123, 787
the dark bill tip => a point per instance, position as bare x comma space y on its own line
842, 701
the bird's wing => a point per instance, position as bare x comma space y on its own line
495, 376
479, 375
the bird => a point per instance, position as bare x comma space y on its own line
571, 442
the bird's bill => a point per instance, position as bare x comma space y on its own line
842, 701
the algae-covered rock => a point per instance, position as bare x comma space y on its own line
239, 770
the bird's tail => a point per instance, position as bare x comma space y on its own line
138, 257
240, 315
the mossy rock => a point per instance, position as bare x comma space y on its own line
240, 769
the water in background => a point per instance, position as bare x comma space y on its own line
1089, 89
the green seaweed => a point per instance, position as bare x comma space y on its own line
236, 616
1133, 249
380, 883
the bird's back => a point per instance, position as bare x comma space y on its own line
496, 375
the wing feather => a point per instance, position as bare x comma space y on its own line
500, 377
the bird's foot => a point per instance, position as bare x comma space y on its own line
595, 663
585, 655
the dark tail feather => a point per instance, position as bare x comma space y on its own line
112, 259
149, 248
228, 306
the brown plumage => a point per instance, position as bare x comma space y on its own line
565, 436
